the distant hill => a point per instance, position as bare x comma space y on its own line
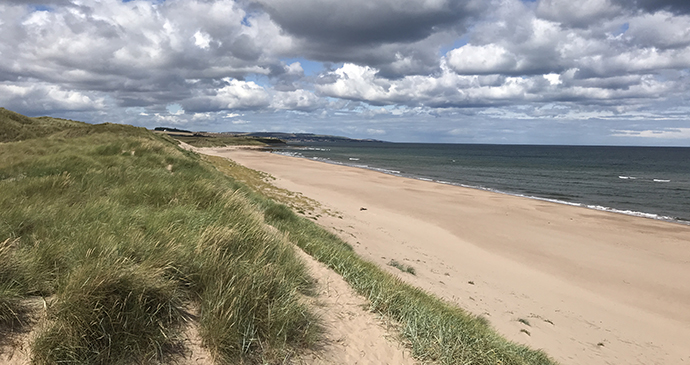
222, 140
307, 137
16, 127
170, 129
264, 137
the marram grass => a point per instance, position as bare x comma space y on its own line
112, 310
122, 232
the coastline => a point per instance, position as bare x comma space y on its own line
598, 207
593, 287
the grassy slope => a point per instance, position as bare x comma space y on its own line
123, 232
16, 127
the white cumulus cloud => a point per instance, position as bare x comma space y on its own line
490, 58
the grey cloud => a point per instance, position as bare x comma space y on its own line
658, 30
40, 2
289, 77
675, 6
418, 58
245, 48
397, 37
588, 13
326, 78
517, 43
615, 82
392, 61
513, 41
578, 13
33, 98
362, 22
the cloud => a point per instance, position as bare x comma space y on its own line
234, 95
588, 13
141, 53
603, 54
445, 90
513, 41
296, 100
485, 59
33, 97
285, 63
661, 30
202, 40
356, 83
578, 13
673, 133
366, 22
675, 6
398, 37
40, 2
376, 132
450, 90
168, 119
643, 60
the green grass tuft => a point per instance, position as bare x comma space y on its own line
11, 309
402, 267
279, 212
112, 310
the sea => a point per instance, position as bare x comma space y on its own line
650, 182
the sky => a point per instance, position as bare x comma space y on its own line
592, 72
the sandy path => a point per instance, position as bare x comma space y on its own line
595, 287
352, 335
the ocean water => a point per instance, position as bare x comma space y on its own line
652, 182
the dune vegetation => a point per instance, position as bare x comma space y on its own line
128, 239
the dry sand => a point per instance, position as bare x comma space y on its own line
352, 335
588, 287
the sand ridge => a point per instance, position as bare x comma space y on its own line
589, 287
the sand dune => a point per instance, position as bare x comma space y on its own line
588, 287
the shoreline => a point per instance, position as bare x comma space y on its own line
587, 286
627, 212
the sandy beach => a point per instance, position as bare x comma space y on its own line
588, 287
